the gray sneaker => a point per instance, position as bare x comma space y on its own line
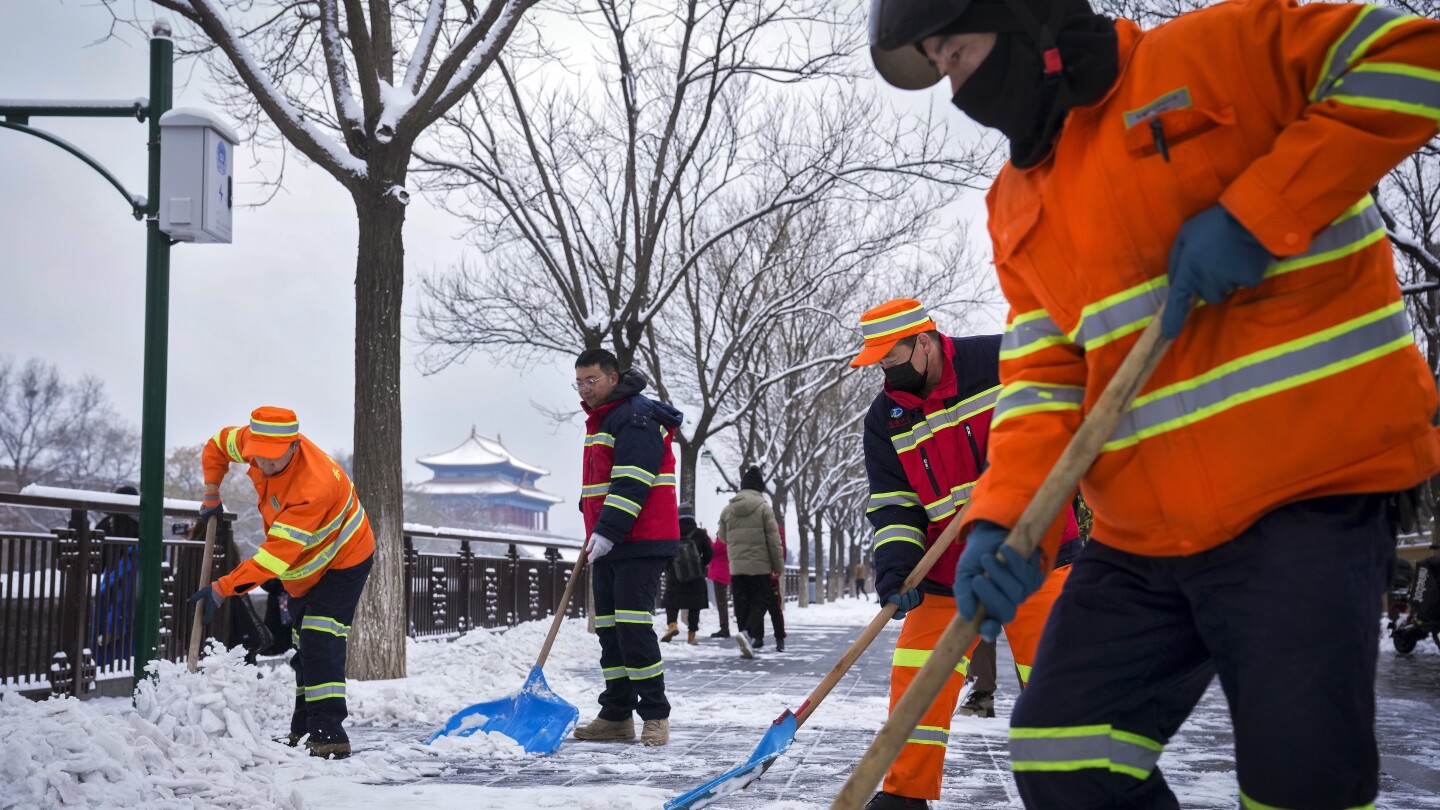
746, 651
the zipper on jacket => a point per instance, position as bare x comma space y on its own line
925, 460
974, 450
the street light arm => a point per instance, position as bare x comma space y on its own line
137, 203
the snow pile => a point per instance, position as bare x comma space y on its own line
192, 740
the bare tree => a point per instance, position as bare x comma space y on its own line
593, 204
290, 72
61, 433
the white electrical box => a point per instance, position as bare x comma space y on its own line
197, 152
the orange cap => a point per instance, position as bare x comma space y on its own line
886, 324
271, 432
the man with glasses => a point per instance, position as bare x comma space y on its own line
925, 444
633, 523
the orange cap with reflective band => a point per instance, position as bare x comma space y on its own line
886, 324
271, 432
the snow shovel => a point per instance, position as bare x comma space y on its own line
782, 731
535, 717
197, 626
1057, 489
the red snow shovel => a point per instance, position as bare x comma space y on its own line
782, 731
197, 626
1057, 489
535, 717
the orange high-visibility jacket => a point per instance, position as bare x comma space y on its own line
1307, 385
313, 519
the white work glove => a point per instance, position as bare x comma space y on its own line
599, 546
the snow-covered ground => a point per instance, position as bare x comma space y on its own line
204, 739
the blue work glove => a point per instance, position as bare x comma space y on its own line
888, 582
1213, 255
212, 599
980, 579
905, 602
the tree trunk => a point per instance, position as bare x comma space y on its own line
804, 526
689, 465
377, 640
818, 534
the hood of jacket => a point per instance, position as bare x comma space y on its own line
746, 502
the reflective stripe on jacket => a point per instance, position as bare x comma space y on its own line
922, 457
313, 518
1307, 385
628, 478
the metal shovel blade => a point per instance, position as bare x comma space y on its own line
536, 718
772, 745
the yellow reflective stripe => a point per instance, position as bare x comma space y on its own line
1392, 87
880, 500
634, 617
894, 322
645, 673
1029, 332
322, 691
608, 620
640, 474
623, 504
1083, 747
612, 673
1357, 227
937, 421
1117, 315
1024, 672
287, 532
1370, 24
915, 659
325, 624
270, 562
1027, 397
230, 447
1250, 804
594, 490
898, 533
665, 480
930, 735
328, 553
603, 439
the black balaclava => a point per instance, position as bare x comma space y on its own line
1011, 91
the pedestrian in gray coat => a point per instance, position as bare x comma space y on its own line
753, 537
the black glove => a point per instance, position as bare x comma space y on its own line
212, 599
210, 506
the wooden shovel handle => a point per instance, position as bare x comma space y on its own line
1052, 495
560, 610
197, 623
858, 647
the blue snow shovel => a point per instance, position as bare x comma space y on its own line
782, 731
535, 717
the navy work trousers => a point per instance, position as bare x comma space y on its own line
629, 651
1287, 614
322, 619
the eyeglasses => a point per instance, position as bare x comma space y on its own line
588, 382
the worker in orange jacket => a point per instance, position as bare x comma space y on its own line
317, 541
1244, 520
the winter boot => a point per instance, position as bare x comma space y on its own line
330, 750
602, 730
978, 704
779, 644
655, 732
670, 632
720, 634
292, 739
890, 801
691, 638
746, 651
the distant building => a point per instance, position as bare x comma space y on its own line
480, 484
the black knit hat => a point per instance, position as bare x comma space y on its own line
752, 479
687, 511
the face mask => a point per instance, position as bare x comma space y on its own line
904, 376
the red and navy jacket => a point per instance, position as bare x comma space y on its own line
923, 456
628, 482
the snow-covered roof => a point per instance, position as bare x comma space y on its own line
487, 486
479, 451
63, 493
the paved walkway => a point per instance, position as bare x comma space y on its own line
1198, 763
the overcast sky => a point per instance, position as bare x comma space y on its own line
267, 320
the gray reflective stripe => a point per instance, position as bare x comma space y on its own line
600, 438
898, 532
1027, 397
1281, 368
929, 735
605, 621
1116, 751
935, 422
325, 690
325, 624
638, 473
657, 668
294, 535
665, 480
1173, 100
1368, 25
594, 490
883, 499
894, 323
624, 504
633, 616
289, 429
328, 553
328, 530
1119, 315
1029, 333
299, 691
612, 673
948, 504
1390, 87
1358, 227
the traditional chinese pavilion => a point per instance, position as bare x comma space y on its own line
485, 482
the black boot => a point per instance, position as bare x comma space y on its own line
780, 644
889, 801
978, 704
720, 634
